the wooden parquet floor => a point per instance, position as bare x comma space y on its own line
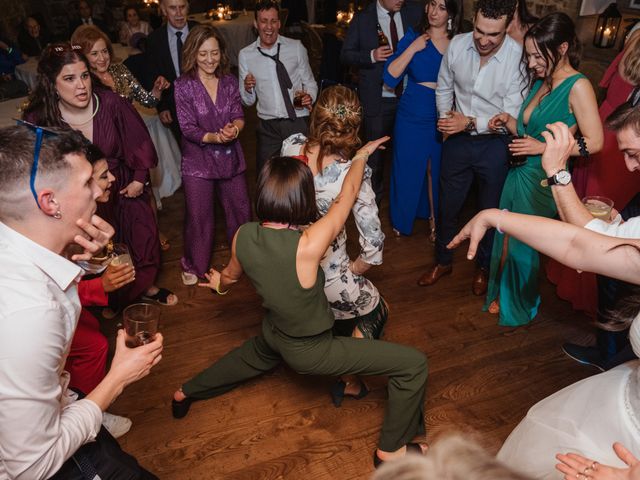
482, 378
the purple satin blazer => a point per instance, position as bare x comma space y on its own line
197, 115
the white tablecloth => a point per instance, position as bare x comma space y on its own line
28, 71
166, 177
237, 33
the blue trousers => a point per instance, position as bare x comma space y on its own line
466, 158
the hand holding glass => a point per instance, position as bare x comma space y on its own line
140, 324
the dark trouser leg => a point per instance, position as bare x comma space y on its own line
375, 127
108, 460
490, 167
270, 135
406, 368
456, 176
254, 357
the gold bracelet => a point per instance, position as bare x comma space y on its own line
218, 289
237, 131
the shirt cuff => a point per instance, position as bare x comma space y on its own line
373, 60
141, 175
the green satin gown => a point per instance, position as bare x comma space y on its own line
517, 284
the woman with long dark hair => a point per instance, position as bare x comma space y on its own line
558, 92
282, 259
415, 175
522, 20
65, 97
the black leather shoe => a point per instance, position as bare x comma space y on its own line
180, 409
585, 355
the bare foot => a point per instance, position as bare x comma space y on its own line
494, 307
401, 452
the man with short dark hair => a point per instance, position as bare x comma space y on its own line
273, 71
612, 347
362, 49
47, 202
481, 75
164, 56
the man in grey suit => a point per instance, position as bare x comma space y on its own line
361, 49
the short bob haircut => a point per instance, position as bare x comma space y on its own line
197, 36
285, 193
87, 35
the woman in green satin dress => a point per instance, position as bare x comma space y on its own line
558, 92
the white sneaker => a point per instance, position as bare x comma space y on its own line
189, 278
115, 424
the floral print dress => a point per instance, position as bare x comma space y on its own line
349, 295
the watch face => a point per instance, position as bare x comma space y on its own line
563, 177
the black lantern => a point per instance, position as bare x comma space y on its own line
607, 27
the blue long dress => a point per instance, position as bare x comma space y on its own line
416, 141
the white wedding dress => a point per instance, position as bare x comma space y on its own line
586, 417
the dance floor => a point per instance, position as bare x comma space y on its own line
482, 377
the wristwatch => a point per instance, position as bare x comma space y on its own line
470, 125
562, 177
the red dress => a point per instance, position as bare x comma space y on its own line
605, 174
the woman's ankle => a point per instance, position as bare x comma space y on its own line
179, 396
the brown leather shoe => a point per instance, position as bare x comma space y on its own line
480, 282
434, 274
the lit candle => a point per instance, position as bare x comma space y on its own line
220, 15
606, 35
339, 16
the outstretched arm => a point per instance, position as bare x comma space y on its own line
573, 246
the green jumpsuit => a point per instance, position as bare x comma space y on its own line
297, 329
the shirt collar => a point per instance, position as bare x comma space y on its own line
59, 269
172, 30
280, 41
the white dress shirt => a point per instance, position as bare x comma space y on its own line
267, 90
384, 20
173, 45
617, 228
481, 92
41, 425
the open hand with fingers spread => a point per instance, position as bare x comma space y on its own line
97, 234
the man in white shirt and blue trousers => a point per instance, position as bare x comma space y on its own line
273, 71
480, 76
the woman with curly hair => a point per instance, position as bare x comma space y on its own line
358, 307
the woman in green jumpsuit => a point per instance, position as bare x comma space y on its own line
559, 93
283, 263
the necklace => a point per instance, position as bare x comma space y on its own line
97, 103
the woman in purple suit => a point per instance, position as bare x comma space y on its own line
211, 118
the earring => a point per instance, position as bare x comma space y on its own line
57, 215
449, 24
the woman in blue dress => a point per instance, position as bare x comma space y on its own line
416, 142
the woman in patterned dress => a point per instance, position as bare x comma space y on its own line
357, 306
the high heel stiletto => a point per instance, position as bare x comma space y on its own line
179, 409
337, 392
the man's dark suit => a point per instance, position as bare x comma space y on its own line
159, 63
362, 38
73, 25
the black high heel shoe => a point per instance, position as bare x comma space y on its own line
337, 392
179, 409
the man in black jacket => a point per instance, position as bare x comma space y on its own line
361, 49
164, 54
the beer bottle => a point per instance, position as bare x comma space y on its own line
383, 41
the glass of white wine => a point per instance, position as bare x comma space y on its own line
599, 207
120, 255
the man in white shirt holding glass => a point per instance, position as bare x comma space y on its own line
480, 76
47, 202
275, 72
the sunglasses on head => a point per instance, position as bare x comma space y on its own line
40, 132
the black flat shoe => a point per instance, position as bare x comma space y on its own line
412, 448
179, 409
337, 392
